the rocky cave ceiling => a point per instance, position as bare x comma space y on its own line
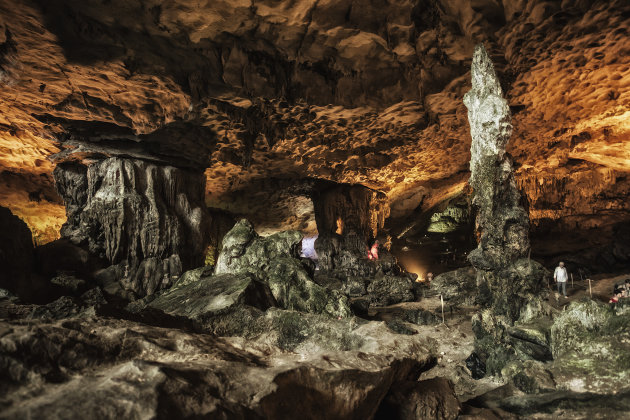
270, 96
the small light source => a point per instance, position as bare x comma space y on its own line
339, 230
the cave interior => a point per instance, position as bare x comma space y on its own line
326, 209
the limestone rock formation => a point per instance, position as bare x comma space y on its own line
429, 399
348, 218
506, 277
96, 365
387, 290
457, 286
16, 252
209, 296
275, 260
147, 220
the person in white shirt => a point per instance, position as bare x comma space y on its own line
560, 276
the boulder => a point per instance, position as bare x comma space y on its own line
275, 261
532, 340
209, 296
430, 399
531, 377
354, 287
457, 286
387, 290
590, 346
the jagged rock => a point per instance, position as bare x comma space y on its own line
97, 366
213, 295
457, 287
145, 219
64, 307
275, 260
94, 297
387, 290
70, 283
532, 340
431, 399
16, 253
590, 344
354, 287
476, 366
531, 377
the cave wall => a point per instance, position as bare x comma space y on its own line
147, 220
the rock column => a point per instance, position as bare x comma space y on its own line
146, 220
506, 277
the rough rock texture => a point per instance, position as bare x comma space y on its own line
92, 365
348, 218
146, 220
457, 286
590, 345
210, 296
387, 290
429, 399
505, 275
275, 260
16, 253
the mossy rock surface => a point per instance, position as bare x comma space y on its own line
591, 347
275, 260
214, 295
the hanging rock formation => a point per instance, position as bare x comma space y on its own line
146, 220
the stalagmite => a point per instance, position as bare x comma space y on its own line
509, 282
505, 275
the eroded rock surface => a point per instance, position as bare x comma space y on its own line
147, 220
275, 260
97, 366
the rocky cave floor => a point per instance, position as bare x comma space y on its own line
222, 343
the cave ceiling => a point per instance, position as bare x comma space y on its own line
268, 97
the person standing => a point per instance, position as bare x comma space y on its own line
560, 276
373, 252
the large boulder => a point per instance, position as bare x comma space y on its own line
387, 290
431, 399
209, 296
457, 286
275, 260
590, 345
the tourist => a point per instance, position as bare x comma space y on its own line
560, 276
616, 297
373, 252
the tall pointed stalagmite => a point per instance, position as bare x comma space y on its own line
509, 282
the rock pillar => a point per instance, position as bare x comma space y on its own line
146, 220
